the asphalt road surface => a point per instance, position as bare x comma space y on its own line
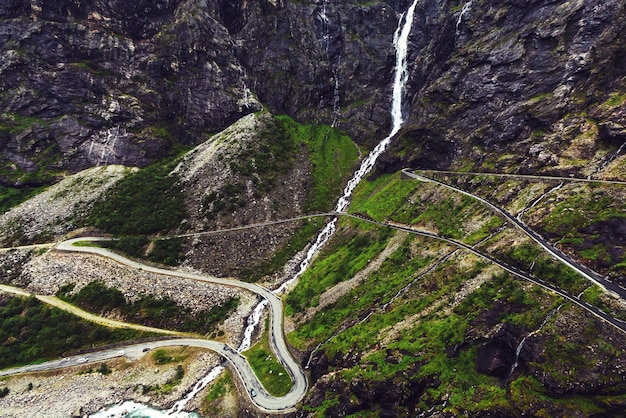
262, 399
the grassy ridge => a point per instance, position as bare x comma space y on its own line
31, 332
432, 335
333, 156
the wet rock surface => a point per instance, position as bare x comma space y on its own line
109, 82
515, 78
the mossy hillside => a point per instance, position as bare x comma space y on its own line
431, 335
396, 272
144, 202
269, 370
423, 343
586, 221
333, 158
332, 154
530, 257
343, 258
392, 197
417, 353
33, 332
583, 219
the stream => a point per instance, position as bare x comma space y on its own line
400, 41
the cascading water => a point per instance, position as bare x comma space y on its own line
523, 211
611, 157
521, 344
400, 41
466, 7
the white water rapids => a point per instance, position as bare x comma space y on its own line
400, 41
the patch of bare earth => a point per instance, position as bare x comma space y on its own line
82, 390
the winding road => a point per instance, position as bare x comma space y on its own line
525, 177
621, 325
587, 273
262, 400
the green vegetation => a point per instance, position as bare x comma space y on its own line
447, 215
104, 369
144, 202
397, 271
583, 222
340, 263
268, 369
600, 299
419, 351
13, 196
544, 267
168, 251
220, 388
429, 337
162, 356
484, 231
333, 156
216, 393
616, 99
384, 198
274, 153
581, 210
148, 310
393, 198
32, 332
166, 356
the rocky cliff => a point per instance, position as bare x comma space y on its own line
516, 86
400, 325
87, 83
531, 86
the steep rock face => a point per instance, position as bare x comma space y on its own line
111, 82
525, 86
327, 59
220, 193
97, 82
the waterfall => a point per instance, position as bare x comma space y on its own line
521, 344
400, 41
611, 157
539, 199
466, 7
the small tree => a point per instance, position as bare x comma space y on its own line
104, 369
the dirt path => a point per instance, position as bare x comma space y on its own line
58, 303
